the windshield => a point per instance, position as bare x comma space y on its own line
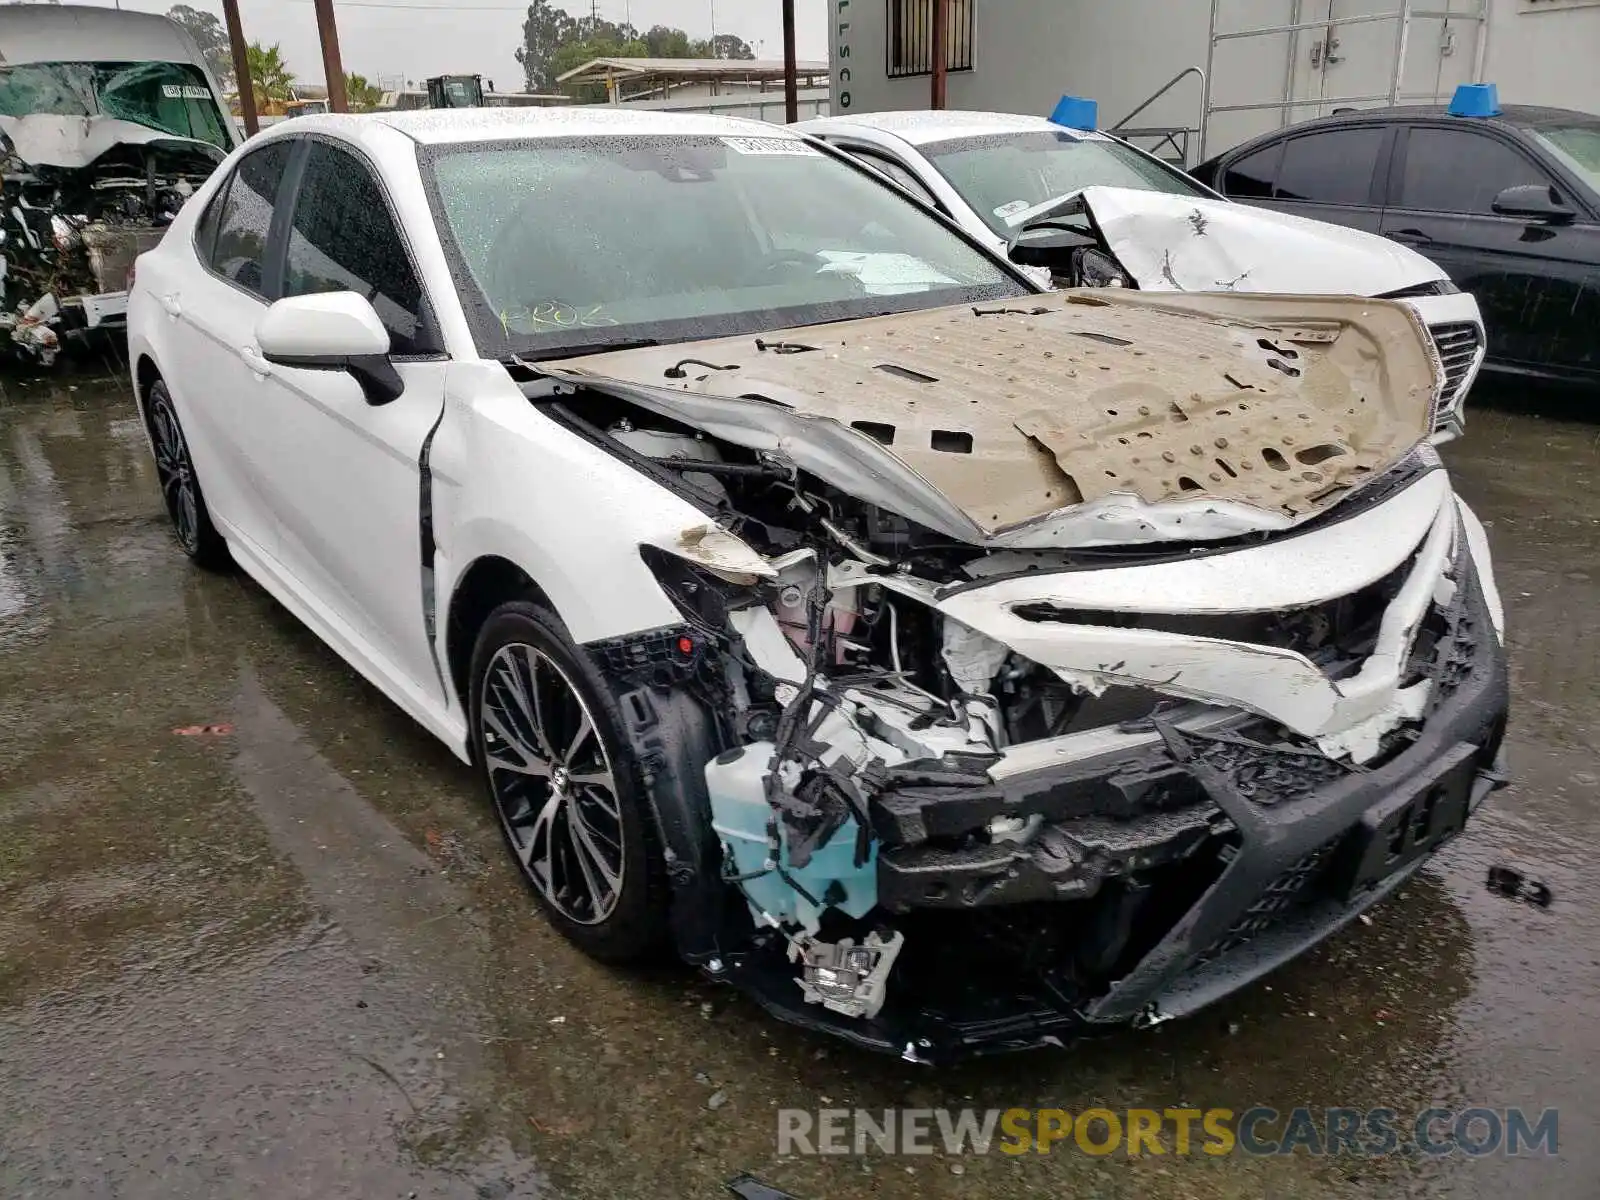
561, 245
172, 97
1002, 174
1577, 147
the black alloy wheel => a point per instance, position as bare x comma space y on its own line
180, 486
565, 786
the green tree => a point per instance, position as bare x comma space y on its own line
730, 45
270, 76
663, 42
543, 33
613, 43
363, 94
555, 42
210, 35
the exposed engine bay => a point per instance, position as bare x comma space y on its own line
1048, 715
83, 197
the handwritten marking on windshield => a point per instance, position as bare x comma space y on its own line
554, 314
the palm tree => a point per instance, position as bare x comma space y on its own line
269, 74
363, 95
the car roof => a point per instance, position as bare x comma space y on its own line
1513, 116
920, 127
445, 126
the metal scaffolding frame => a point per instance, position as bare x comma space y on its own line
1402, 17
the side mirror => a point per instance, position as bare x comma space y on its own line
332, 331
1535, 201
1046, 245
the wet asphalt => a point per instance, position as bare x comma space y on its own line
257, 937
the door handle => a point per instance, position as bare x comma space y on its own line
254, 359
1413, 236
170, 303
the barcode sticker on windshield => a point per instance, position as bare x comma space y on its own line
769, 145
185, 91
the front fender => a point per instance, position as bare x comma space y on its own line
602, 597
510, 482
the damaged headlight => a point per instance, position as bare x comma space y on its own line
702, 584
1096, 268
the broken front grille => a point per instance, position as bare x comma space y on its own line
1458, 344
1296, 886
1267, 774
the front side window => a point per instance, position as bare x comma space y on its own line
1576, 147
1330, 168
1002, 174
558, 245
343, 239
167, 96
1460, 171
1252, 177
245, 218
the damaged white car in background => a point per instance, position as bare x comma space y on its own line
1031, 188
950, 665
109, 121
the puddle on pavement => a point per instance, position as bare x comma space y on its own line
284, 956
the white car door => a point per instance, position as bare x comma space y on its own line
341, 472
213, 300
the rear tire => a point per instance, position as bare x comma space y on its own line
180, 486
548, 742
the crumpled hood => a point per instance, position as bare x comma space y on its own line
1193, 244
51, 140
1082, 418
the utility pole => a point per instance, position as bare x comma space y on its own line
332, 65
941, 51
241, 68
791, 66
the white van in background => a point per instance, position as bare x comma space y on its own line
109, 121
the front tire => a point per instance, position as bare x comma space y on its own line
548, 743
180, 486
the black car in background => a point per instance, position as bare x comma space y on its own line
1508, 205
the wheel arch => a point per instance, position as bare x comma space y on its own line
487, 583
145, 376
587, 572
671, 735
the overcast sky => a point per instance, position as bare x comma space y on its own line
419, 38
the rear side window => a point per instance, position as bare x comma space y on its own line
245, 221
205, 234
1330, 168
896, 171
1460, 171
1252, 177
343, 239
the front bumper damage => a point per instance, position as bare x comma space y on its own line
1045, 669
1138, 871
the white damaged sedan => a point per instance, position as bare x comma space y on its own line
950, 665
